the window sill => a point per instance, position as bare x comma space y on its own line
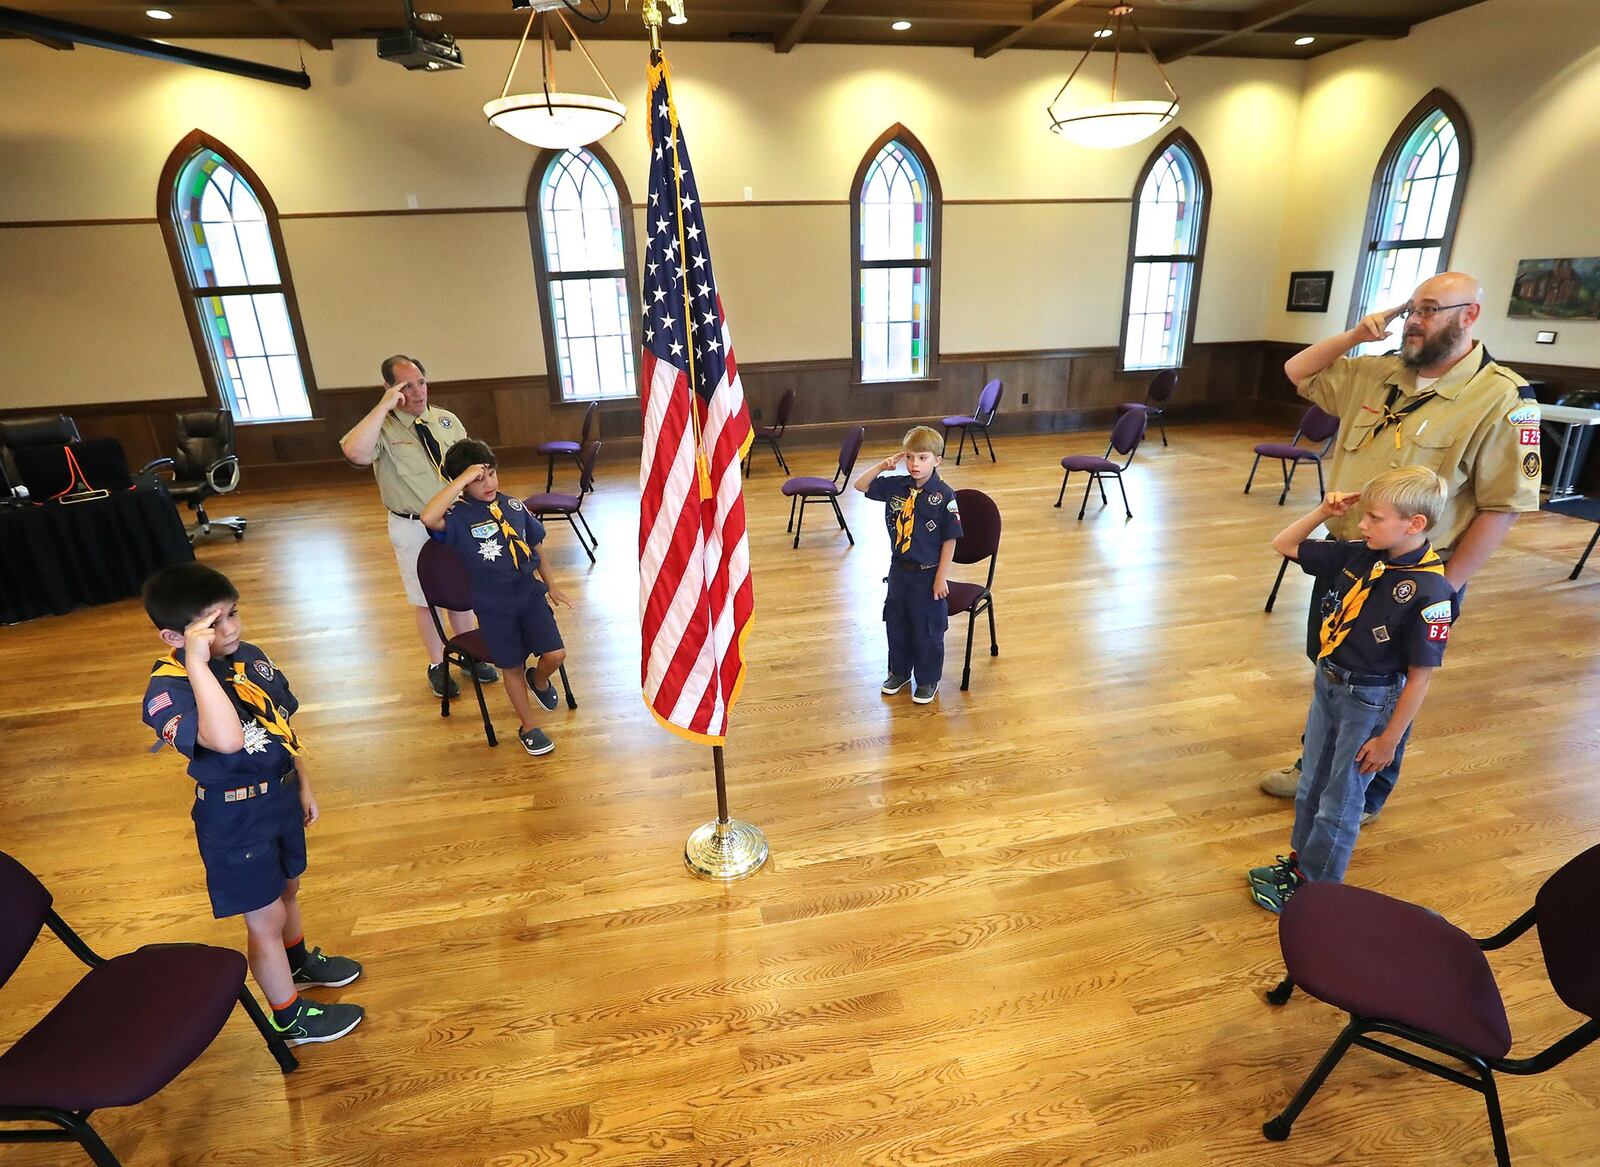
907, 383
278, 421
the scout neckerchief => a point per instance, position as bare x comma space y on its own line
1337, 626
430, 445
905, 521
267, 713
1392, 416
513, 540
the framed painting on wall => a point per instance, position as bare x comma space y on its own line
1556, 289
1308, 291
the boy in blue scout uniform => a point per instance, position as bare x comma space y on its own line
225, 706
498, 540
1384, 631
924, 523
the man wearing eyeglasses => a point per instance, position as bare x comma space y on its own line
1439, 401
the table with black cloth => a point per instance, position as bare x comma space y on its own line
55, 557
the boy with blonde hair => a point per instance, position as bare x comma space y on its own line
1384, 628
924, 523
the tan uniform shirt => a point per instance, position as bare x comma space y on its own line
1477, 432
407, 477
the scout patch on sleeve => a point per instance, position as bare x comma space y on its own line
1438, 632
1528, 435
1530, 464
445, 421
484, 530
169, 731
159, 702
952, 508
1403, 592
1437, 613
1524, 413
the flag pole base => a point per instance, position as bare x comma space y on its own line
727, 851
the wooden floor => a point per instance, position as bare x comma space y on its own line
1007, 928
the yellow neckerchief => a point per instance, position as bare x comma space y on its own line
267, 713
905, 522
1337, 626
1389, 415
513, 540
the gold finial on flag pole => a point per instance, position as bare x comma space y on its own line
651, 12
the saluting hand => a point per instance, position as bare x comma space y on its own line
1338, 502
198, 638
1375, 326
393, 395
891, 462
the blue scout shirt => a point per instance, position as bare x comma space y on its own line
170, 710
500, 553
916, 539
1391, 621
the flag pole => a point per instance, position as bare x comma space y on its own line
726, 849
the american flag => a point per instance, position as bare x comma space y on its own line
695, 593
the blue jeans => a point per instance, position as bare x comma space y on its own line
1333, 791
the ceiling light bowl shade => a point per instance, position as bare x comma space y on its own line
557, 121
1113, 124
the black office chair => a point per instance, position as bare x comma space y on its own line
205, 465
24, 433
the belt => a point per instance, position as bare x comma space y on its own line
904, 565
404, 515
1341, 676
254, 790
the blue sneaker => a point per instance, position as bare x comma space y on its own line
1284, 880
545, 696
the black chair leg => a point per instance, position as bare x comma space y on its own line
78, 1126
1063, 492
843, 526
1101, 483
988, 442
577, 460
1322, 490
1277, 1128
550, 475
994, 643
1280, 993
566, 686
802, 499
1161, 425
593, 542
778, 453
793, 499
1584, 558
1252, 477
1087, 487
1124, 491
582, 542
1288, 481
280, 1049
483, 706
1272, 596
966, 667
1497, 1124
747, 459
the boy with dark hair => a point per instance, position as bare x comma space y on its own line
221, 703
924, 523
498, 540
1384, 629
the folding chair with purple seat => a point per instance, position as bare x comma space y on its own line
980, 540
571, 450
1315, 426
1400, 970
131, 1025
988, 405
1162, 386
570, 506
772, 434
1125, 438
446, 584
808, 490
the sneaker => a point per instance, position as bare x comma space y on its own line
325, 972
1269, 874
535, 742
893, 683
314, 1023
923, 694
547, 695
1281, 783
442, 683
1368, 815
1285, 879
484, 672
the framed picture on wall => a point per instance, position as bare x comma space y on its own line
1556, 289
1308, 291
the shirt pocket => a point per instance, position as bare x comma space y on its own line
1360, 432
1429, 447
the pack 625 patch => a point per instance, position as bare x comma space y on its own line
1437, 613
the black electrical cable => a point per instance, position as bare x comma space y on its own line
576, 8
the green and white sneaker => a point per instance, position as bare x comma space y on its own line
1282, 881
317, 1023
325, 972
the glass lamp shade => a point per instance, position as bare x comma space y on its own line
1116, 123
561, 121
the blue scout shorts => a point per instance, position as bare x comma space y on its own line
251, 846
515, 634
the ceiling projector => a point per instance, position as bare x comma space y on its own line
411, 47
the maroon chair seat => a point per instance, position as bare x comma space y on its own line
980, 540
1315, 426
125, 1030
1088, 462
796, 486
1154, 405
964, 595
977, 422
1375, 956
1126, 435
560, 448
470, 642
1284, 450
772, 434
767, 432
552, 503
569, 507
1125, 406
557, 448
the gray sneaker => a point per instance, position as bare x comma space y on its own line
442, 683
485, 672
545, 696
314, 1023
535, 741
1281, 783
923, 694
325, 972
893, 683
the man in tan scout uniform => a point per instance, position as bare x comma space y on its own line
1440, 402
403, 439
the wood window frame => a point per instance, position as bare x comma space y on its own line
534, 206
192, 143
1179, 137
1383, 177
897, 133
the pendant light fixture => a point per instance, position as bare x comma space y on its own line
551, 118
1114, 123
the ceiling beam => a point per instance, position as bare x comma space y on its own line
307, 30
1043, 12
1005, 15
48, 42
791, 35
1252, 21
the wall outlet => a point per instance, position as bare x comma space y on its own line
411, 202
749, 194
1024, 399
755, 415
1544, 338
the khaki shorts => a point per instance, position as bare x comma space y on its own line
408, 537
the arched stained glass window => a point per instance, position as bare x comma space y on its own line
1416, 200
582, 245
233, 277
895, 213
1166, 244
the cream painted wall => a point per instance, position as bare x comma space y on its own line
1527, 75
460, 287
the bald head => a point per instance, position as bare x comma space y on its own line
1438, 330
1449, 287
